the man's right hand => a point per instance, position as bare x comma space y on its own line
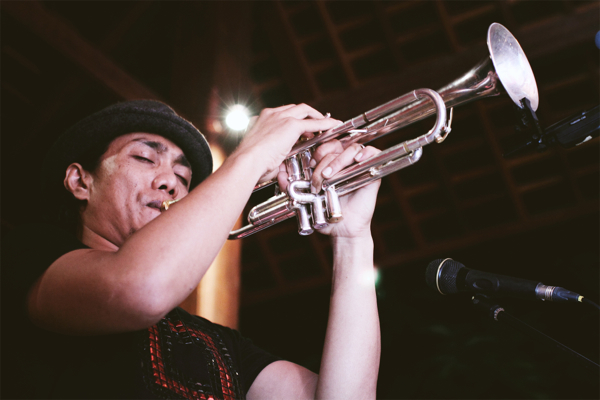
276, 131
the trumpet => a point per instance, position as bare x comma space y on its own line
505, 70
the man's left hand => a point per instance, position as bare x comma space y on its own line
358, 206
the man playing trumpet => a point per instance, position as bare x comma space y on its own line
95, 312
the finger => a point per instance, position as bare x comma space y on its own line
329, 166
309, 126
317, 178
280, 108
341, 161
365, 153
282, 180
312, 134
302, 111
333, 146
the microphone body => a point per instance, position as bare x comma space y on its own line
449, 277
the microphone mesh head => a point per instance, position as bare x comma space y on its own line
443, 281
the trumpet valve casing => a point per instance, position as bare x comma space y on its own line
334, 209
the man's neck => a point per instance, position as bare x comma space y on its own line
95, 241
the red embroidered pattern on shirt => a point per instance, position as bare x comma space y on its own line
162, 379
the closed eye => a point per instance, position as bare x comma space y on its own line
143, 159
183, 180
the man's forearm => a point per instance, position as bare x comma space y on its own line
350, 363
180, 245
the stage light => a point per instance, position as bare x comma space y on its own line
237, 118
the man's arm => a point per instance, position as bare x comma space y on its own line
350, 362
113, 289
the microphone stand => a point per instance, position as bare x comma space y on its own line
499, 314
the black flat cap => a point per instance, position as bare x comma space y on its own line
99, 129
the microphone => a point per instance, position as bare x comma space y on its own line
448, 277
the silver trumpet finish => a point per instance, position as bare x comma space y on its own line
317, 210
506, 70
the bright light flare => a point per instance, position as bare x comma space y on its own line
237, 118
377, 276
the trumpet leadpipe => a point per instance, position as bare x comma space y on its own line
271, 209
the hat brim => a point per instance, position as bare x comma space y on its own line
103, 127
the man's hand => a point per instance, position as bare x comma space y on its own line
358, 206
276, 130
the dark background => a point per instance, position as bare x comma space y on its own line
534, 216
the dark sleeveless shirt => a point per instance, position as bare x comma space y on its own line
183, 356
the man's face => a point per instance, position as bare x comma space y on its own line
136, 174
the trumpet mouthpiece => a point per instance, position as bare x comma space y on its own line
166, 204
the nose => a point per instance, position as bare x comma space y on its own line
166, 181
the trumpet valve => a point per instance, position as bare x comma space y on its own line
304, 226
318, 213
334, 209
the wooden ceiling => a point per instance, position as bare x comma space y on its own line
64, 60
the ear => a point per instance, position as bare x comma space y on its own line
77, 181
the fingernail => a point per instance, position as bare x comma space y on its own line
313, 163
313, 189
327, 115
327, 172
358, 156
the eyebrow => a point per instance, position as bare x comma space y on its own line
182, 160
161, 148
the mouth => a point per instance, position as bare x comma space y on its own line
155, 204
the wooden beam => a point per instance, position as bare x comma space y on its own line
194, 61
72, 86
337, 44
61, 36
295, 67
537, 40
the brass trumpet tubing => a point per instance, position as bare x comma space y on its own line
252, 229
369, 167
274, 207
480, 82
376, 173
402, 149
297, 201
356, 122
278, 208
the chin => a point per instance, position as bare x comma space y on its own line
150, 217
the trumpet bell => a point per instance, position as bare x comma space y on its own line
512, 66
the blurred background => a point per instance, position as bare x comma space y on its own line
533, 216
